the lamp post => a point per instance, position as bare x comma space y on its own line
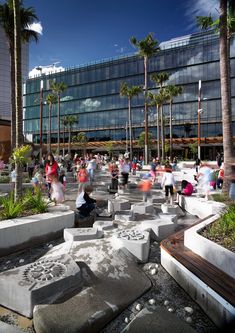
199, 110
41, 117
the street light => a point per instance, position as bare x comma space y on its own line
41, 117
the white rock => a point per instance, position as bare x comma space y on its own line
50, 246
139, 307
21, 261
151, 267
8, 262
126, 320
189, 320
171, 310
152, 301
166, 302
189, 310
156, 266
153, 271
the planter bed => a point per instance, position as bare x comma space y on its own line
20, 233
217, 255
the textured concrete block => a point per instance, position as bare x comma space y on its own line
160, 229
142, 208
156, 199
118, 204
104, 225
168, 217
81, 234
125, 215
40, 282
135, 241
171, 209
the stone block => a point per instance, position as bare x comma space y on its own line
160, 229
124, 215
135, 241
155, 199
81, 234
142, 208
104, 225
118, 204
168, 217
172, 209
6, 328
40, 282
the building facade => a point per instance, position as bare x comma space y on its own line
93, 93
5, 74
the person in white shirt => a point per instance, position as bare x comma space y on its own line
168, 182
84, 203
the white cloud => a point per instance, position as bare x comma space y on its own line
45, 70
201, 8
36, 26
91, 104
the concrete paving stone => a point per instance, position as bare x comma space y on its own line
104, 225
6, 328
124, 215
135, 241
42, 281
114, 281
142, 208
172, 209
160, 228
82, 234
118, 204
158, 320
156, 199
168, 217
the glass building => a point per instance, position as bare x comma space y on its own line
93, 93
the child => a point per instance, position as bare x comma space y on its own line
145, 186
114, 176
82, 177
168, 182
57, 190
84, 203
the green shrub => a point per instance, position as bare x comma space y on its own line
9, 208
4, 179
35, 202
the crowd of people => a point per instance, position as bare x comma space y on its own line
49, 175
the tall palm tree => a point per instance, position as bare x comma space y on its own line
148, 47
26, 17
130, 92
225, 24
18, 93
57, 89
50, 100
171, 92
68, 122
156, 101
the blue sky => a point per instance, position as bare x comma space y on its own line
75, 32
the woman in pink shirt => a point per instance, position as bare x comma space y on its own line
187, 188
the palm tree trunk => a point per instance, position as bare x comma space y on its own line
145, 110
171, 130
13, 102
162, 133
130, 126
49, 139
18, 93
225, 95
158, 134
70, 140
58, 140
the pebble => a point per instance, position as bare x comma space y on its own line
152, 301
139, 307
189, 310
21, 261
156, 266
50, 246
166, 302
171, 310
151, 267
126, 320
153, 271
189, 320
8, 262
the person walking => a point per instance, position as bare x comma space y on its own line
51, 169
168, 183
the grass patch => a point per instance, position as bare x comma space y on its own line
222, 231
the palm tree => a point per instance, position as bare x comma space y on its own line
69, 121
26, 17
148, 47
57, 89
156, 101
130, 92
18, 93
226, 25
50, 100
81, 138
172, 91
